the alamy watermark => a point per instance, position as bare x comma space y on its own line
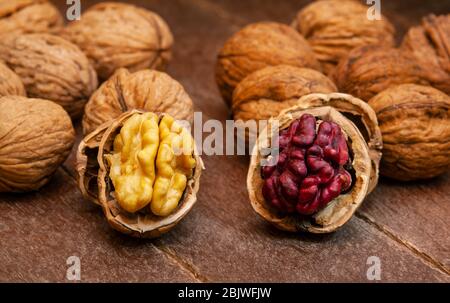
374, 11
374, 270
73, 272
74, 10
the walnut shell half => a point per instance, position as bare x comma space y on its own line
342, 208
115, 35
368, 70
29, 16
430, 45
415, 123
259, 45
148, 90
333, 28
36, 136
51, 68
10, 83
95, 184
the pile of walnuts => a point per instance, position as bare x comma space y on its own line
269, 70
50, 75
349, 102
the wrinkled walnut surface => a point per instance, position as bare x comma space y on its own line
51, 68
94, 182
333, 28
257, 46
340, 209
145, 167
148, 90
10, 83
415, 123
36, 136
430, 44
264, 93
29, 16
368, 70
115, 35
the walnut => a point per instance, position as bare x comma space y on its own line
368, 70
36, 136
329, 149
266, 92
429, 44
259, 45
143, 170
415, 124
148, 90
51, 68
10, 83
115, 35
28, 16
333, 28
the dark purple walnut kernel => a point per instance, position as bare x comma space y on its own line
311, 169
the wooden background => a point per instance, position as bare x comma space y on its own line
222, 239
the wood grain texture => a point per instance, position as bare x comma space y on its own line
222, 239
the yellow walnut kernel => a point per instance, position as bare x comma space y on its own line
132, 168
174, 165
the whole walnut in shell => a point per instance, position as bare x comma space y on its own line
29, 16
115, 35
257, 46
266, 92
10, 83
148, 90
36, 136
415, 124
368, 70
333, 28
51, 68
430, 45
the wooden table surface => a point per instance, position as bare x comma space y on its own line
406, 225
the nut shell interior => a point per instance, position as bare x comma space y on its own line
95, 185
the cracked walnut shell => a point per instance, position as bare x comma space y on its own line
148, 90
115, 35
51, 68
429, 43
29, 16
151, 194
415, 124
10, 83
36, 136
364, 146
333, 28
259, 45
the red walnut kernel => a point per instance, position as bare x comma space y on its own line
309, 173
329, 152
